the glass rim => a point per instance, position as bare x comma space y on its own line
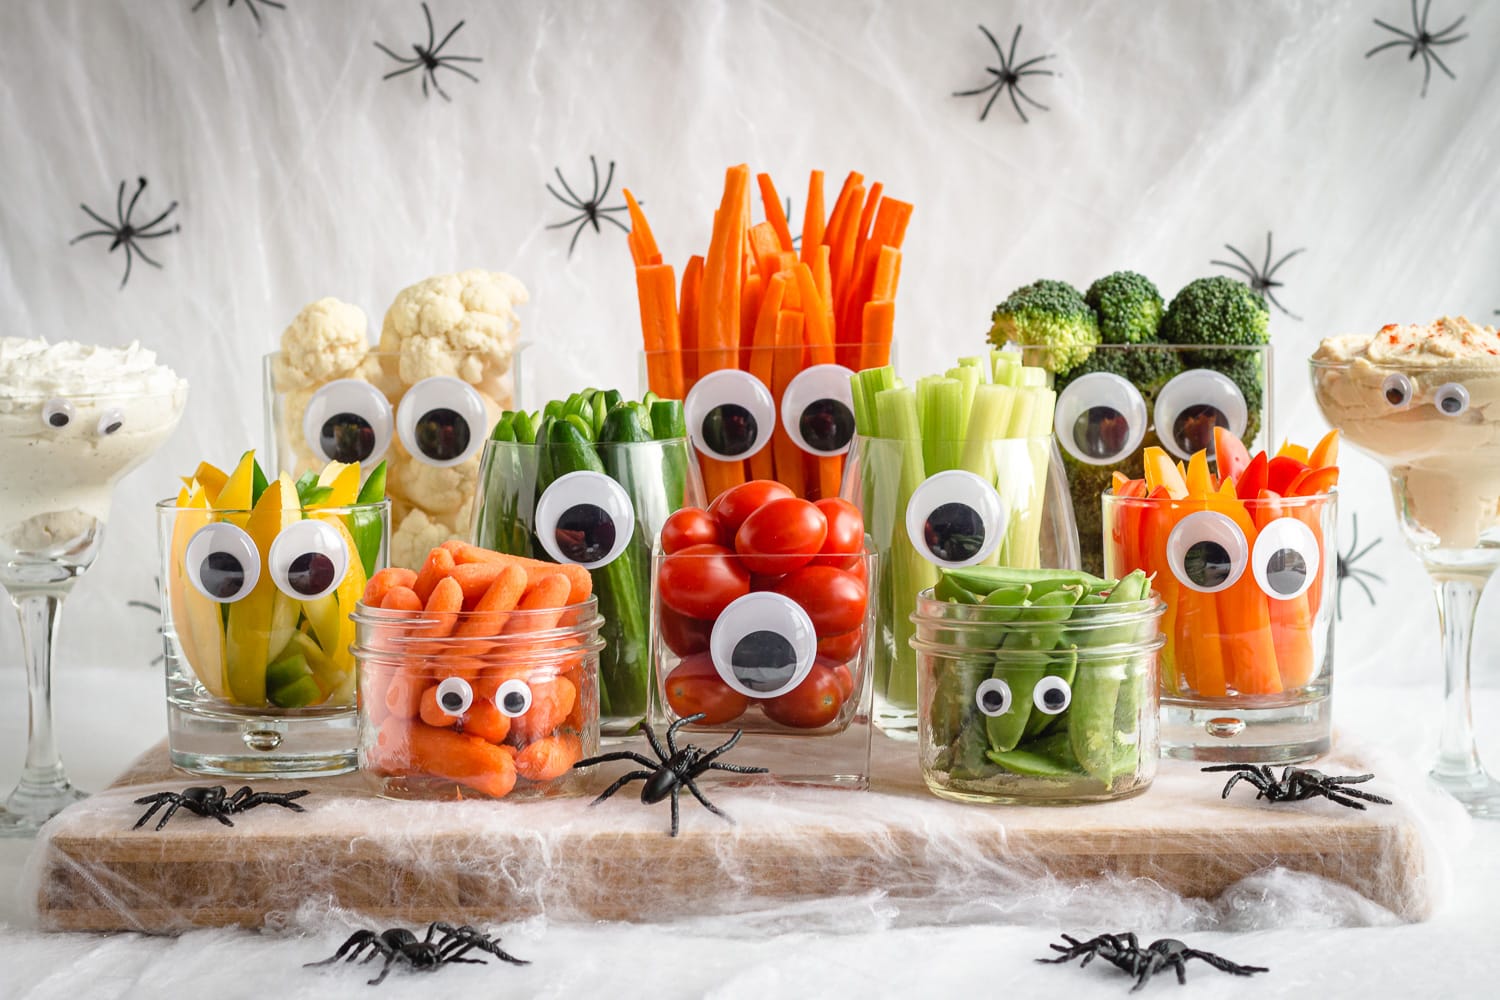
1162, 345
1311, 500
1320, 364
180, 388
658, 555
1153, 606
170, 504
376, 352
919, 442
596, 445
1085, 654
400, 623
746, 346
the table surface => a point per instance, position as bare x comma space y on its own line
833, 948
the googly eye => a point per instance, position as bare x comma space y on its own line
58, 413
308, 560
585, 518
1052, 695
454, 696
348, 421
730, 415
1397, 390
955, 519
993, 697
1100, 418
110, 421
763, 644
441, 421
1286, 558
222, 562
1189, 407
1451, 399
1207, 552
817, 410
513, 698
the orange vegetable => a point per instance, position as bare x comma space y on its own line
763, 361
547, 594
439, 563
404, 695
642, 239
687, 320
771, 202
879, 328
582, 582
719, 310
813, 219
443, 606
549, 757
1200, 666
552, 699
500, 598
656, 289
384, 580
443, 753
1327, 451
401, 599
789, 353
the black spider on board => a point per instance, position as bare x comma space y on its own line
249, 5
1422, 42
126, 233
1262, 280
1007, 77
1349, 570
591, 210
429, 59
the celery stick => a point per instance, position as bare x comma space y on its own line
909, 574
1034, 378
943, 422
988, 420
1006, 366
1021, 415
968, 378
866, 384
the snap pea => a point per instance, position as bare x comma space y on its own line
1063, 664
505, 428
1091, 725
1045, 619
949, 589
984, 579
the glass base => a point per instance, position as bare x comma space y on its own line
896, 721
34, 803
1038, 793
1235, 734
620, 727
1477, 792
225, 744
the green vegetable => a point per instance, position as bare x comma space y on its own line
1040, 628
1050, 315
373, 490
1128, 305
290, 682
1217, 311
365, 526
1091, 725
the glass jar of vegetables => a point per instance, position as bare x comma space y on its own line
1037, 686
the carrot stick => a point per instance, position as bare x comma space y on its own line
549, 758
879, 328
887, 273
443, 606
656, 288
1202, 660
890, 223
812, 217
851, 303
547, 596
788, 457
1245, 628
763, 361
494, 606
765, 246
384, 580
1291, 619
401, 599
749, 310
818, 332
770, 201
719, 310
840, 240
442, 753
439, 563
641, 231
687, 320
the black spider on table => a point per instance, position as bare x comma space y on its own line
674, 771
1298, 783
1125, 953
591, 209
400, 945
1262, 280
429, 60
1347, 570
124, 232
249, 5
214, 803
1008, 77
1422, 42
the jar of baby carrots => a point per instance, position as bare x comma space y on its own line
477, 677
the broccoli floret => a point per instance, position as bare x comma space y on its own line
1144, 366
1050, 315
1086, 483
1247, 370
1129, 307
1219, 311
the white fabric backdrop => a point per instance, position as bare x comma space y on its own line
1175, 127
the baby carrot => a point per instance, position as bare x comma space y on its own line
446, 602
546, 598
582, 582
552, 700
549, 757
475, 578
384, 580
439, 563
490, 612
404, 696
443, 753
401, 599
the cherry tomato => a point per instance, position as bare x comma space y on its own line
758, 583
832, 598
810, 705
846, 527
689, 526
700, 581
781, 536
843, 676
738, 502
695, 686
683, 635
841, 648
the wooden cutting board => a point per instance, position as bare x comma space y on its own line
418, 861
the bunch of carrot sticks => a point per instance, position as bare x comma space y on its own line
757, 303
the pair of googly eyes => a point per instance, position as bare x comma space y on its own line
1207, 552
441, 421
955, 519
731, 414
1451, 398
1051, 696
59, 413
1101, 417
455, 696
307, 560
763, 645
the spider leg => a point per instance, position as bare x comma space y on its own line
693, 788
130, 210
171, 809
624, 780
566, 201
92, 232
120, 204
594, 198
1441, 65
1391, 27
398, 58
439, 47
157, 802
1277, 266
363, 938
999, 87
1426, 70
610, 218
576, 233
739, 768
157, 235
430, 33
608, 181
1234, 267
999, 53
1357, 556
957, 93
1016, 104
1387, 45
1239, 776
1016, 89
1272, 296
618, 755
99, 218
432, 75
568, 222
1008, 61
398, 72
444, 63
675, 792
671, 734
1031, 62
385, 969
200, 3
125, 280
1222, 964
1436, 38
141, 253
568, 188
147, 225
723, 748
1369, 595
1346, 796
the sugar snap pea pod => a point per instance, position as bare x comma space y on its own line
984, 579
1091, 717
953, 705
1048, 757
525, 427
969, 762
505, 428
1044, 620
1064, 664
949, 589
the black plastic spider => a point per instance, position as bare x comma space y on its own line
249, 5
155, 610
429, 61
211, 802
1422, 42
1008, 76
1347, 570
1298, 783
400, 945
1261, 279
674, 771
1125, 953
592, 209
124, 232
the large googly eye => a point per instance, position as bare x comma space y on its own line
1397, 390
1189, 407
1207, 552
1100, 418
1052, 695
441, 421
222, 562
955, 519
308, 560
348, 421
730, 415
993, 697
1286, 558
513, 698
817, 410
454, 696
1451, 399
110, 421
585, 518
763, 644
57, 413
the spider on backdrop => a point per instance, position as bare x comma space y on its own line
126, 233
1299, 783
590, 210
401, 946
1125, 953
1007, 77
250, 6
1422, 42
1348, 569
429, 59
1262, 280
155, 610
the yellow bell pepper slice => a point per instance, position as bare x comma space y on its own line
195, 618
343, 480
247, 639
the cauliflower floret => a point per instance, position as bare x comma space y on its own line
417, 535
328, 339
461, 324
438, 490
